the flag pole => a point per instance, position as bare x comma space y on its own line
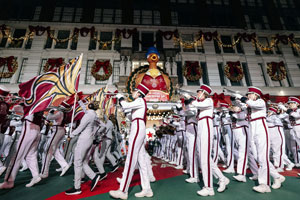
71, 128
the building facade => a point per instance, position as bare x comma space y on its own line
140, 28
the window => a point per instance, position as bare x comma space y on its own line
174, 18
29, 43
62, 34
221, 73
156, 18
283, 3
37, 12
189, 40
200, 47
49, 41
217, 47
78, 15
295, 51
135, 42
57, 14
21, 74
247, 74
3, 40
239, 47
146, 17
74, 43
97, 15
205, 73
227, 41
282, 23
263, 74
116, 72
265, 42
266, 22
17, 34
67, 14
108, 16
88, 75
118, 16
147, 41
105, 37
159, 42
43, 62
136, 17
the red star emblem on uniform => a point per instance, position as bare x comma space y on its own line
149, 135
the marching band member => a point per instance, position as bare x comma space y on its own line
86, 129
136, 145
294, 113
26, 148
58, 133
205, 106
260, 135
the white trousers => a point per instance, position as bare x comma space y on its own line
104, 152
242, 142
136, 155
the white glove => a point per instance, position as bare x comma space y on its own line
186, 95
282, 107
179, 105
238, 96
119, 96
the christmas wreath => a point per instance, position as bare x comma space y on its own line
234, 71
192, 71
52, 64
276, 71
107, 68
12, 66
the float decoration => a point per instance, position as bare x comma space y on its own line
107, 68
234, 71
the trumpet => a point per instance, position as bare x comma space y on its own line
233, 93
184, 92
114, 94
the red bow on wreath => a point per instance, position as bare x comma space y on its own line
233, 68
265, 97
104, 65
218, 98
130, 32
276, 67
192, 67
39, 30
247, 37
208, 36
7, 61
54, 63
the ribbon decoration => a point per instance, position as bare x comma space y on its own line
233, 69
208, 36
124, 31
193, 67
247, 37
218, 98
168, 35
103, 65
85, 31
55, 63
39, 30
8, 61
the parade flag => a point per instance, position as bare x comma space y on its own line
43, 90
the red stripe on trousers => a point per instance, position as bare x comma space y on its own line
297, 152
217, 151
208, 154
267, 153
231, 146
280, 160
17, 153
181, 152
131, 155
43, 167
194, 150
246, 151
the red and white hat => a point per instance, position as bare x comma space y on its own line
294, 100
224, 105
205, 88
254, 90
272, 110
143, 89
3, 91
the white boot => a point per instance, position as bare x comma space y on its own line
119, 180
290, 167
222, 184
179, 167
240, 178
254, 178
64, 170
192, 180
229, 171
206, 192
118, 194
279, 170
262, 188
144, 193
34, 181
277, 182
